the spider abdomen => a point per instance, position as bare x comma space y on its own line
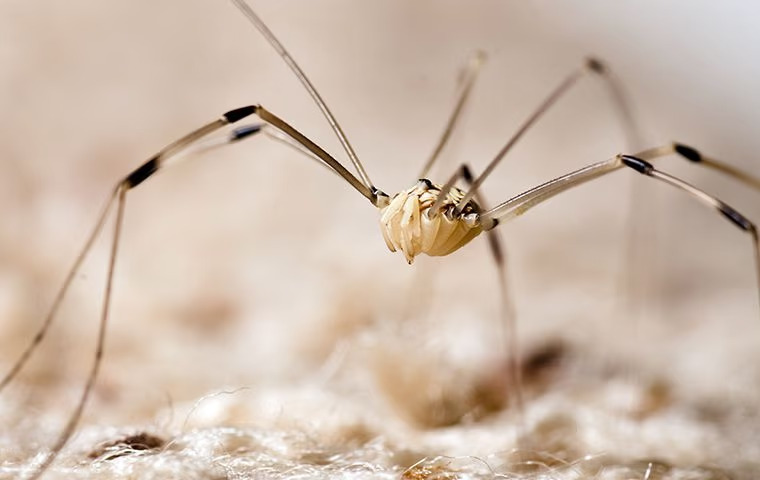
408, 224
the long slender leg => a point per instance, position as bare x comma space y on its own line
370, 193
299, 141
620, 101
591, 65
40, 335
467, 80
622, 105
508, 314
188, 144
135, 178
280, 137
118, 196
695, 156
507, 307
638, 281
631, 280
288, 59
647, 169
469, 76
521, 203
419, 298
525, 201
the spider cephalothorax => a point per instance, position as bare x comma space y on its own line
409, 224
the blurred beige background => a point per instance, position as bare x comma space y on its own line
233, 265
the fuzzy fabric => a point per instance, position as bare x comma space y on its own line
261, 329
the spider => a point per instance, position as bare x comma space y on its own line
432, 218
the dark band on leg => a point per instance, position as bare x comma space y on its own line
726, 210
240, 113
142, 173
596, 65
641, 166
736, 218
688, 152
467, 175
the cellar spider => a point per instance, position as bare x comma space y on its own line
431, 218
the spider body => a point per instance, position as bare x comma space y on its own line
414, 224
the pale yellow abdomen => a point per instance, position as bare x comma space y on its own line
408, 225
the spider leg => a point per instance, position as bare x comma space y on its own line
256, 21
174, 150
590, 65
498, 254
468, 77
507, 307
525, 201
133, 179
519, 204
730, 213
371, 193
190, 143
280, 137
